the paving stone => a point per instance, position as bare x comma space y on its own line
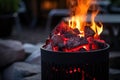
35, 77
33, 56
22, 71
36, 60
11, 51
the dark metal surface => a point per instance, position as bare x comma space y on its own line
93, 63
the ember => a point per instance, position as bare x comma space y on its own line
65, 38
74, 33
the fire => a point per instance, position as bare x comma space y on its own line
75, 33
79, 10
97, 29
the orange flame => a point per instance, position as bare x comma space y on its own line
79, 10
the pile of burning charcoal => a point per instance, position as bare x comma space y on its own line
67, 39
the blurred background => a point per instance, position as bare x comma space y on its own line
34, 16
38, 15
31, 21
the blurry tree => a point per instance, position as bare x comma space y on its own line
9, 6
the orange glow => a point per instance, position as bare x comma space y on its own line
97, 29
47, 5
79, 10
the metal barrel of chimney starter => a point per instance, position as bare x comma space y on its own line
92, 65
